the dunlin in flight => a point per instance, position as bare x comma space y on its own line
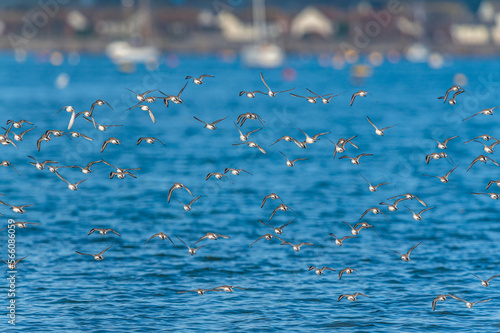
467, 303
212, 236
187, 207
443, 145
272, 93
217, 175
210, 126
440, 298
244, 137
374, 210
486, 283
38, 165
251, 144
340, 241
314, 138
347, 270
444, 179
277, 230
177, 186
160, 235
272, 196
481, 158
291, 163
192, 251
198, 80
102, 231
18, 124
268, 237
355, 160
379, 131
296, 247
98, 256
283, 208
72, 187
486, 112
112, 140
319, 271
360, 93
406, 256
417, 216
373, 188
351, 297
11, 264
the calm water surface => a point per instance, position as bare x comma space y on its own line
135, 287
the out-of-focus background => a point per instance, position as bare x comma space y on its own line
406, 54
262, 32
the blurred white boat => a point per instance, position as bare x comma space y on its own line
125, 54
122, 53
261, 53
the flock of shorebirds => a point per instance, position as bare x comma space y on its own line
10, 137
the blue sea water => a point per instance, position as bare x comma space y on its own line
135, 288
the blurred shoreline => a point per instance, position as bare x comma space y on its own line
209, 27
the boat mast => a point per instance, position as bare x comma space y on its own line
259, 20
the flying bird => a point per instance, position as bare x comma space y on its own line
351, 297
373, 188
486, 283
160, 235
272, 93
467, 303
291, 163
379, 131
102, 231
98, 256
187, 207
177, 186
210, 126
406, 256
198, 80
319, 271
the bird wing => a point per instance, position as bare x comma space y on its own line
284, 225
104, 145
188, 190
84, 254
114, 232
424, 210
494, 276
152, 116
195, 199
61, 177
449, 139
473, 162
258, 239
106, 249
493, 161
353, 97
262, 78
371, 123
150, 238
200, 120
180, 92
409, 251
219, 120
472, 116
457, 298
